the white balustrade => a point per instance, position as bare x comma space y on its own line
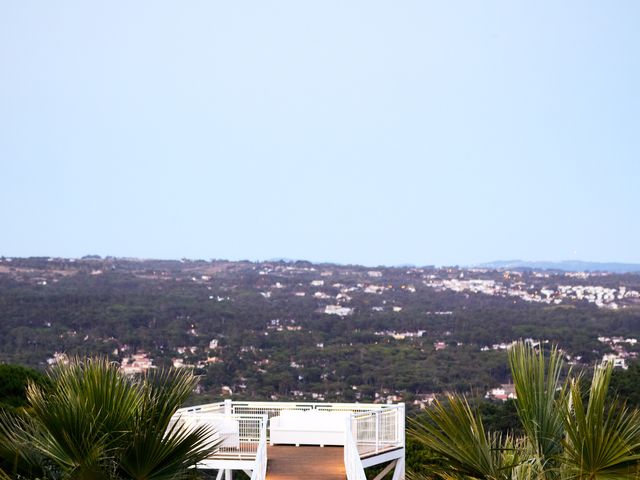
378, 430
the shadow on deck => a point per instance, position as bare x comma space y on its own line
305, 463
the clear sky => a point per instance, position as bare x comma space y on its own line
423, 132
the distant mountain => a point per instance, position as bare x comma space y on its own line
565, 266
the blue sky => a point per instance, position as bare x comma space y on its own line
368, 132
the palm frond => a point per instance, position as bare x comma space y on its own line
460, 445
541, 401
95, 423
152, 456
163, 392
603, 439
160, 449
17, 452
84, 416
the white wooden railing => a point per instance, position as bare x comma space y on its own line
260, 466
380, 430
352, 462
240, 440
272, 409
371, 433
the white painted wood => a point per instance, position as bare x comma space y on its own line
383, 457
352, 462
216, 464
386, 470
398, 473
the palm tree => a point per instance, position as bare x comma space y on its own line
568, 433
95, 423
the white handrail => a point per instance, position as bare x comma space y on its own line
352, 463
273, 408
206, 408
235, 436
260, 466
377, 431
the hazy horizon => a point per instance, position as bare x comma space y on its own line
546, 264
422, 133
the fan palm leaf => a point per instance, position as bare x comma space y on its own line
603, 439
460, 446
541, 401
159, 448
84, 417
568, 435
17, 453
95, 423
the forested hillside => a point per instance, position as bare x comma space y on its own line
296, 330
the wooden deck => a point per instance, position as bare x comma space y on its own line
305, 463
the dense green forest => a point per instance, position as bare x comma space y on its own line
265, 330
496, 416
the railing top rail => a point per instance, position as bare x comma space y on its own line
376, 406
375, 412
205, 406
267, 404
238, 416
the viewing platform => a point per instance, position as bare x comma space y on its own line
289, 440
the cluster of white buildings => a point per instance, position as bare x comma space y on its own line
401, 335
602, 297
504, 392
508, 345
338, 303
282, 325
620, 354
339, 310
136, 364
489, 287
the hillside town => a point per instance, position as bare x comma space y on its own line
601, 297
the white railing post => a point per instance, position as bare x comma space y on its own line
260, 464
347, 435
228, 407
377, 418
400, 423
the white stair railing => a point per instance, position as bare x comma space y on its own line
352, 463
260, 467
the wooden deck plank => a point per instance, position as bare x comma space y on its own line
305, 462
